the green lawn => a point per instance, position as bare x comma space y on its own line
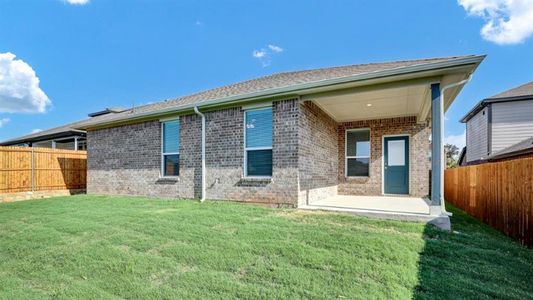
126, 247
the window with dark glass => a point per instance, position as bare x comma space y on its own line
258, 142
357, 152
170, 156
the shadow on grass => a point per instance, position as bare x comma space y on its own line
473, 261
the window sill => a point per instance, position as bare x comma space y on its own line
167, 180
256, 179
348, 178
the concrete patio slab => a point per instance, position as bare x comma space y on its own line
399, 204
384, 207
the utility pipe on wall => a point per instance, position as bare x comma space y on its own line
203, 151
443, 158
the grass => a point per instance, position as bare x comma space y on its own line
126, 247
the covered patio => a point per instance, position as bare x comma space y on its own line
373, 143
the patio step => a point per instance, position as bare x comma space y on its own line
441, 221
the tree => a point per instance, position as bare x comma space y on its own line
451, 152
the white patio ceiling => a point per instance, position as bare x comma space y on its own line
374, 104
385, 100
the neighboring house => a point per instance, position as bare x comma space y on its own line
288, 139
521, 149
67, 137
497, 123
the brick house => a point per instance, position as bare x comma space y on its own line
289, 139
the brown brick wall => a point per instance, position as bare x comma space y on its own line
127, 159
308, 157
225, 157
419, 163
318, 151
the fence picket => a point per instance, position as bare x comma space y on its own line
498, 193
52, 169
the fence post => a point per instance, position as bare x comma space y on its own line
32, 169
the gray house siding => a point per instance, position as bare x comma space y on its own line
512, 122
476, 136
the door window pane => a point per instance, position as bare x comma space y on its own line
396, 154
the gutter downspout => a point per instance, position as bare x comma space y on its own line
443, 158
203, 151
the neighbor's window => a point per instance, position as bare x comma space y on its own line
82, 145
258, 142
170, 156
357, 152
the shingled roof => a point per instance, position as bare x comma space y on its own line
56, 132
519, 91
520, 148
67, 130
271, 83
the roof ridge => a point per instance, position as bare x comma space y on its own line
372, 63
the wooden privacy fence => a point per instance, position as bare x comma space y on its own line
25, 169
499, 194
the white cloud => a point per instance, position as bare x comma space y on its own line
506, 21
199, 23
264, 55
19, 87
276, 49
77, 2
457, 140
259, 53
37, 130
4, 121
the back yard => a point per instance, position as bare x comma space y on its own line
125, 247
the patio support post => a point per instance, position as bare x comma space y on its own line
436, 145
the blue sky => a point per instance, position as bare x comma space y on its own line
100, 53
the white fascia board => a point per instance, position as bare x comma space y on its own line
264, 104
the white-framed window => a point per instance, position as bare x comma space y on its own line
82, 145
258, 142
357, 152
170, 148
